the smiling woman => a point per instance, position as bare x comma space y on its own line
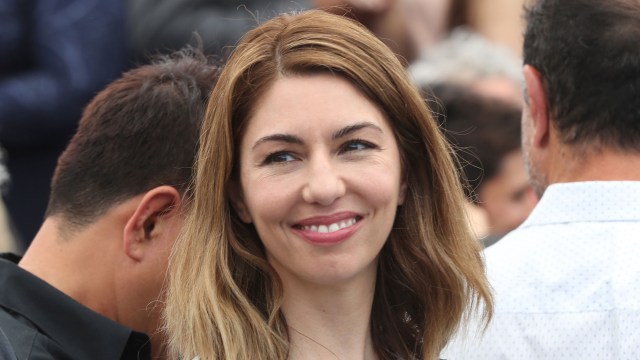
320, 180
327, 218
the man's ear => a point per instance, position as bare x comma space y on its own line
237, 201
157, 206
537, 102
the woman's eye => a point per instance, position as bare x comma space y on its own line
278, 157
357, 145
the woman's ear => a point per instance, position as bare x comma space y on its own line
237, 201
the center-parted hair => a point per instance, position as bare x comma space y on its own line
141, 131
588, 53
224, 299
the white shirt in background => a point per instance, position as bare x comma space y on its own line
567, 281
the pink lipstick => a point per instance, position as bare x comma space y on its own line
328, 230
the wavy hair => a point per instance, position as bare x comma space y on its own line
224, 299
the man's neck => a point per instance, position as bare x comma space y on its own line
573, 165
75, 264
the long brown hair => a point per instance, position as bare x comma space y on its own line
224, 298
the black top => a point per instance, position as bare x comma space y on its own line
41, 322
6, 350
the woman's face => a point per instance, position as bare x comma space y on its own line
320, 178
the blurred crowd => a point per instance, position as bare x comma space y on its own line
125, 209
56, 55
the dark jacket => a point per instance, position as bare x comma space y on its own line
164, 25
6, 350
55, 55
40, 322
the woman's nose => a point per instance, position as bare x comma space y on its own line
324, 183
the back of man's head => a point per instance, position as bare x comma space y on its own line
588, 54
138, 133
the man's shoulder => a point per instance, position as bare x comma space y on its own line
26, 340
41, 322
517, 243
567, 281
567, 245
6, 350
24, 337
571, 216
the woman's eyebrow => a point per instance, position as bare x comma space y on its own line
286, 138
353, 128
292, 139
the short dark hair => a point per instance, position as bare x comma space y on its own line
141, 131
588, 53
482, 131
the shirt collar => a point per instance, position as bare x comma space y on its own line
587, 201
84, 333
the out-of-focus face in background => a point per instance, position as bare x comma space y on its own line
499, 87
483, 120
507, 197
406, 26
427, 20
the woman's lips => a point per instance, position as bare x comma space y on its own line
328, 230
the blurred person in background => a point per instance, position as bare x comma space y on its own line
468, 60
413, 27
485, 132
88, 286
408, 27
499, 21
467, 70
54, 56
166, 25
7, 241
387, 19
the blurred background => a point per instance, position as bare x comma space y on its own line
55, 55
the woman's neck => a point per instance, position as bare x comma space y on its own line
330, 322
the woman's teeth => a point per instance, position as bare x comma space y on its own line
330, 228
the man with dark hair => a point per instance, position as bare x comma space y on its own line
567, 282
89, 285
